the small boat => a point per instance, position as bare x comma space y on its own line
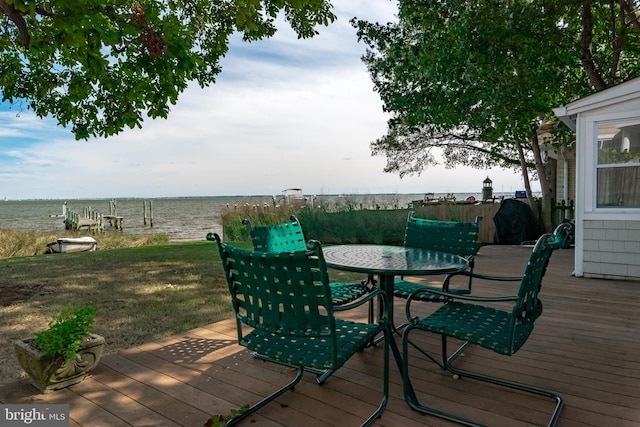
429, 199
72, 244
293, 196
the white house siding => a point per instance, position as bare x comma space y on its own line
607, 238
611, 249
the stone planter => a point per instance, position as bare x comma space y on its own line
49, 373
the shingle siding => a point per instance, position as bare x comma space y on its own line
611, 248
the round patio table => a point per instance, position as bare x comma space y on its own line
392, 260
387, 262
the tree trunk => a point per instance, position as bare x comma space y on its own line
525, 178
587, 55
545, 186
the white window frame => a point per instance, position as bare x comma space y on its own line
592, 211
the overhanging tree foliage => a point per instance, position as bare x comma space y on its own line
478, 80
98, 66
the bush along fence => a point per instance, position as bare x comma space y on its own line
351, 224
356, 226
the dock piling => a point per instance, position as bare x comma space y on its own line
144, 212
113, 218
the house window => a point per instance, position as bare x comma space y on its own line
618, 165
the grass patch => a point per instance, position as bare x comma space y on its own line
141, 294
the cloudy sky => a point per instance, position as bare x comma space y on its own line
283, 113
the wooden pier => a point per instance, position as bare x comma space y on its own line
92, 220
88, 220
95, 221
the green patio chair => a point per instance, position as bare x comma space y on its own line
288, 237
285, 300
460, 238
474, 320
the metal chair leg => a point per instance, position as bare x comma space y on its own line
267, 399
412, 400
385, 383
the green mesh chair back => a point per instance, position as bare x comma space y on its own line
280, 293
285, 237
286, 301
288, 237
479, 321
460, 238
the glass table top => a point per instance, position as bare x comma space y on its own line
385, 259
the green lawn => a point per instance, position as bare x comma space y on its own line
141, 294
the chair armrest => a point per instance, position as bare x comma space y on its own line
376, 293
453, 296
467, 273
448, 296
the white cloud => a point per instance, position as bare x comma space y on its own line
284, 113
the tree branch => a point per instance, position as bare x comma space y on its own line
44, 12
587, 55
633, 14
616, 45
16, 17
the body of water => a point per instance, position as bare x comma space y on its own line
181, 219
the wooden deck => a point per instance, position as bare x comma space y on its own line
585, 346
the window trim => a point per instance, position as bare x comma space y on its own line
591, 162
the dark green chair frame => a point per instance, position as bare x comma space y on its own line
288, 237
467, 318
460, 238
286, 301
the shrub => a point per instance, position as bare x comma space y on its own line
66, 332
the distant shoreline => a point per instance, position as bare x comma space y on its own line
258, 196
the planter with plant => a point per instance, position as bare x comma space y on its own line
63, 354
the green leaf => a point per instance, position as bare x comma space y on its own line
79, 48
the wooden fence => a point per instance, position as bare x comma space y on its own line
464, 213
561, 211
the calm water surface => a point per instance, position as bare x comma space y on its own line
181, 219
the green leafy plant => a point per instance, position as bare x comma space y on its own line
221, 420
66, 332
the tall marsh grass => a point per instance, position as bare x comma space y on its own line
234, 229
333, 225
27, 243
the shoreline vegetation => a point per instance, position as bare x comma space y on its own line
348, 225
17, 243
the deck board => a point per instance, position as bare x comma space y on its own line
585, 347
